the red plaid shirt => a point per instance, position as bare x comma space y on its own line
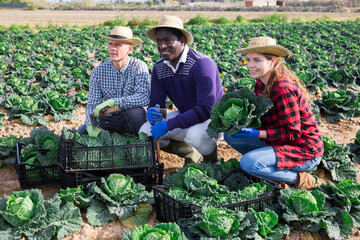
290, 125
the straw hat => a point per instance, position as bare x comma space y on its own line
167, 21
122, 34
264, 45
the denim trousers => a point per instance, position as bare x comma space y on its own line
259, 160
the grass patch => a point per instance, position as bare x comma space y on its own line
221, 20
199, 19
274, 18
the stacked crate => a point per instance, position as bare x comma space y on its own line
80, 165
31, 176
169, 209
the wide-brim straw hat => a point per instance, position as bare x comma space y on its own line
168, 21
122, 34
265, 45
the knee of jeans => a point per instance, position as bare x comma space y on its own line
250, 165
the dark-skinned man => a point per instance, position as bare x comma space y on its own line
191, 81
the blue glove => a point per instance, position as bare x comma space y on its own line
247, 133
154, 114
91, 132
159, 129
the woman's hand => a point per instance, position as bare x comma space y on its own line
247, 133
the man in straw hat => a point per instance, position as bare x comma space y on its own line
288, 142
191, 81
122, 81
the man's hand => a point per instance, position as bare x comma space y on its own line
154, 115
159, 129
91, 132
247, 133
107, 103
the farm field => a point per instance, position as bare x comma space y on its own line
325, 56
90, 18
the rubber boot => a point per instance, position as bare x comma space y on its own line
184, 150
212, 157
304, 181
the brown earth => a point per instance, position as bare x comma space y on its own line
341, 132
91, 18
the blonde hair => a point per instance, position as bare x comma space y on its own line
281, 69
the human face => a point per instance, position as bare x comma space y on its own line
259, 66
118, 52
169, 45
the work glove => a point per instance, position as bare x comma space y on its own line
98, 108
247, 133
159, 129
154, 114
91, 132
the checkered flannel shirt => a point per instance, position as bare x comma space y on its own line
290, 125
129, 86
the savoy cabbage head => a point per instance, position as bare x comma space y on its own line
26, 213
169, 231
236, 110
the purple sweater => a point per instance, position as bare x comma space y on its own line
193, 89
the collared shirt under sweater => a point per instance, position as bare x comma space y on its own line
193, 88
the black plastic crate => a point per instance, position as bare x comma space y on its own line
146, 176
169, 209
31, 176
74, 156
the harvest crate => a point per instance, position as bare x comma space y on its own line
169, 209
74, 156
146, 176
31, 176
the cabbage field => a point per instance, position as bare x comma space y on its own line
46, 73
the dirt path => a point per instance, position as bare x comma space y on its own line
91, 18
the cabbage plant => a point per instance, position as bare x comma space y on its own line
26, 213
117, 197
169, 231
236, 110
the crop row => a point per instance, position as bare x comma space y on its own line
48, 72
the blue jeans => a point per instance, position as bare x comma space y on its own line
260, 160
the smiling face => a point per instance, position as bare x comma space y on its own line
259, 66
118, 52
170, 45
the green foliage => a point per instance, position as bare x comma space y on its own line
237, 110
160, 231
339, 105
118, 196
27, 213
337, 161
192, 184
199, 19
221, 20
220, 223
77, 196
241, 19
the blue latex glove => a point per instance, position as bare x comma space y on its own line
154, 114
107, 103
159, 129
247, 133
91, 132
